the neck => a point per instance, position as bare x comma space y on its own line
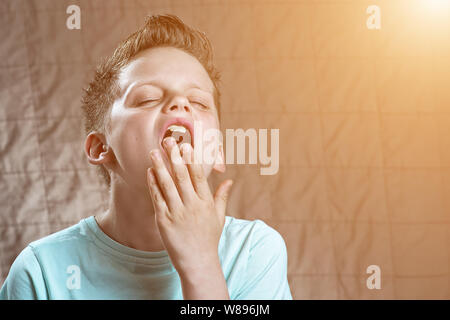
130, 218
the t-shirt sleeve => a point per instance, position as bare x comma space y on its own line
24, 280
266, 273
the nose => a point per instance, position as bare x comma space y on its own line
178, 104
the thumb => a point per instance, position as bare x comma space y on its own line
221, 198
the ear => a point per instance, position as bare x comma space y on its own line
96, 149
219, 165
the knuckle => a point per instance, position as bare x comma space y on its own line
159, 202
180, 175
165, 185
164, 218
176, 216
198, 175
156, 198
154, 194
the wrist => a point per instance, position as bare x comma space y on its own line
204, 284
200, 268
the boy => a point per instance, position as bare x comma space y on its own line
164, 236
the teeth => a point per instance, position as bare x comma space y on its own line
180, 133
175, 128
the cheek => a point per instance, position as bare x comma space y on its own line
132, 137
209, 123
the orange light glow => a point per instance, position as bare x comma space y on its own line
437, 5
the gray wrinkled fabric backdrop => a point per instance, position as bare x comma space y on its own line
364, 119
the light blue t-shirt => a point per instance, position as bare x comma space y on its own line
82, 262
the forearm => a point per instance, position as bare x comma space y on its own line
204, 283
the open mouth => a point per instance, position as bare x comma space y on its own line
180, 129
180, 133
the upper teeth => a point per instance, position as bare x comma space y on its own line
175, 128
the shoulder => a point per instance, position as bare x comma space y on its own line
257, 228
60, 239
256, 234
26, 260
24, 279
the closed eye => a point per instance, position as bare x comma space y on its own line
203, 106
146, 102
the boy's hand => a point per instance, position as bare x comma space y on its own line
190, 220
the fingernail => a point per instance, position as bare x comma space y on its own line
169, 141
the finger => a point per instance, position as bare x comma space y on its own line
180, 171
165, 183
221, 198
161, 210
198, 177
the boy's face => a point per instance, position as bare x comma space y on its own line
157, 86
